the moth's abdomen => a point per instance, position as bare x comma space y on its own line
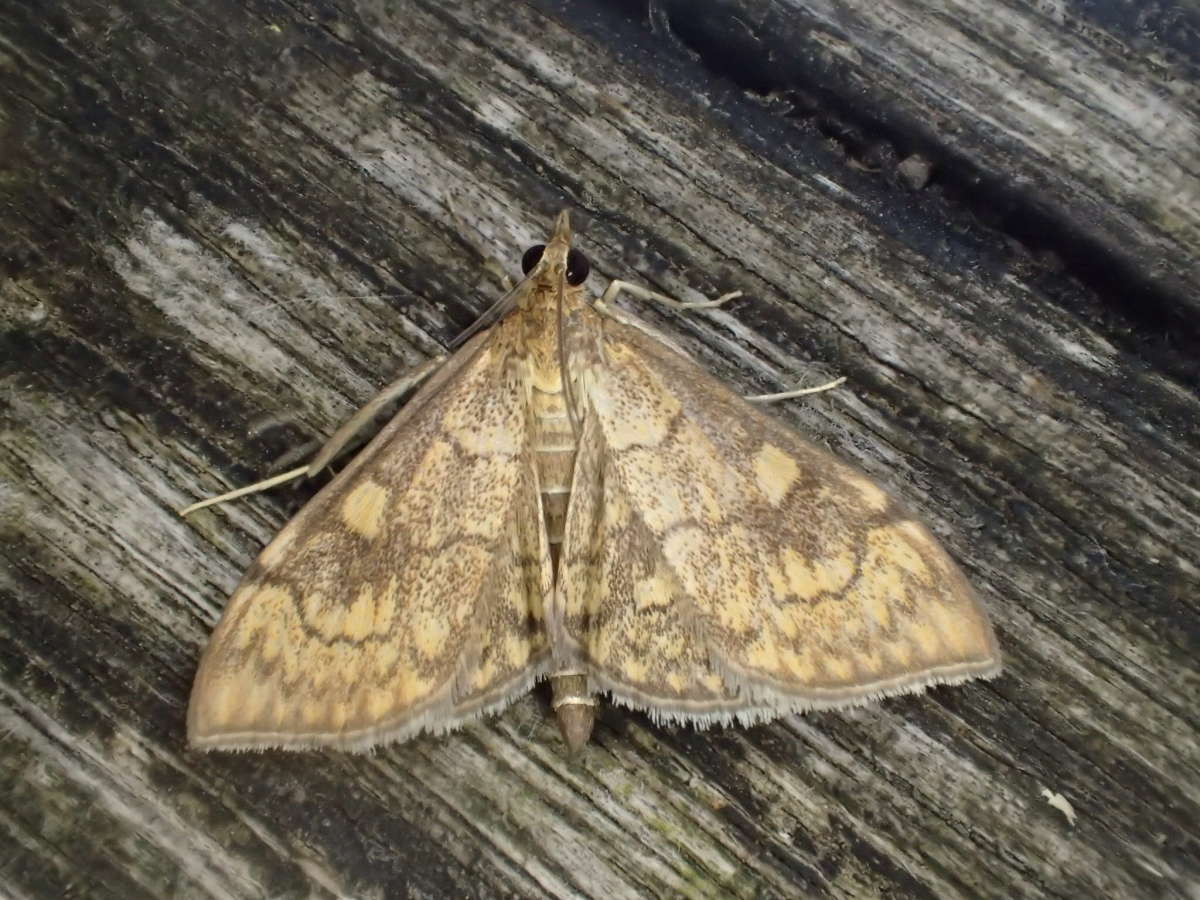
554, 455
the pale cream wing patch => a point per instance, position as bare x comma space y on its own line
407, 595
717, 566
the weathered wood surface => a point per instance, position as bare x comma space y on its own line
223, 227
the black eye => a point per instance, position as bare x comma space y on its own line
532, 256
577, 268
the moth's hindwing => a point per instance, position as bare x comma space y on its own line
407, 595
716, 566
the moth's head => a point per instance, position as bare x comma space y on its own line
556, 260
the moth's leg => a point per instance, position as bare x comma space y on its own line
616, 287
255, 488
603, 306
798, 392
355, 423
341, 437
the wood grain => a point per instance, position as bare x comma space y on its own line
224, 226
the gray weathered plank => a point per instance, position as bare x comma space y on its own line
1071, 125
224, 227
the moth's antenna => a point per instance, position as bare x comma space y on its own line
491, 315
563, 369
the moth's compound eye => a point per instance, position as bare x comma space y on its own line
577, 268
532, 256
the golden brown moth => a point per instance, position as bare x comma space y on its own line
567, 497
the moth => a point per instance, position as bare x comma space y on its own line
568, 497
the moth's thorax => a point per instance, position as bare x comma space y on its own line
539, 333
